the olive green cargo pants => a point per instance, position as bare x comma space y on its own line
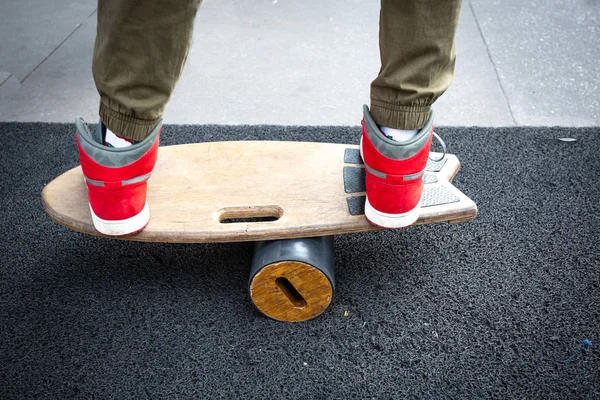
141, 48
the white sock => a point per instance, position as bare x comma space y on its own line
399, 135
113, 140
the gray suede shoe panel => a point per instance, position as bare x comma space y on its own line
390, 148
111, 157
99, 135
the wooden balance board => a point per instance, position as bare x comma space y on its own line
287, 196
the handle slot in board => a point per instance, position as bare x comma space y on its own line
249, 214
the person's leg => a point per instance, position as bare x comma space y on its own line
417, 47
141, 48
417, 44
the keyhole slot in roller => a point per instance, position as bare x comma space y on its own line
250, 214
290, 291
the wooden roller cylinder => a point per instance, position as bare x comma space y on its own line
292, 280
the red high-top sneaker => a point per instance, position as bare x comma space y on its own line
394, 174
116, 179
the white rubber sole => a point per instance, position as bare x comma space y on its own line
122, 227
392, 221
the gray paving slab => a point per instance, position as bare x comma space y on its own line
8, 84
4, 75
267, 62
31, 30
286, 63
475, 97
283, 62
61, 88
546, 53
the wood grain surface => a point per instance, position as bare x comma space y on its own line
244, 191
291, 291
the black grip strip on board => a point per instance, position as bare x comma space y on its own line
354, 180
356, 205
352, 156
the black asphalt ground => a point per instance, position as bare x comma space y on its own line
497, 308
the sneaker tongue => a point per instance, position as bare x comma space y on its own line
100, 133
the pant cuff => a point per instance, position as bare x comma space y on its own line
398, 116
126, 126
